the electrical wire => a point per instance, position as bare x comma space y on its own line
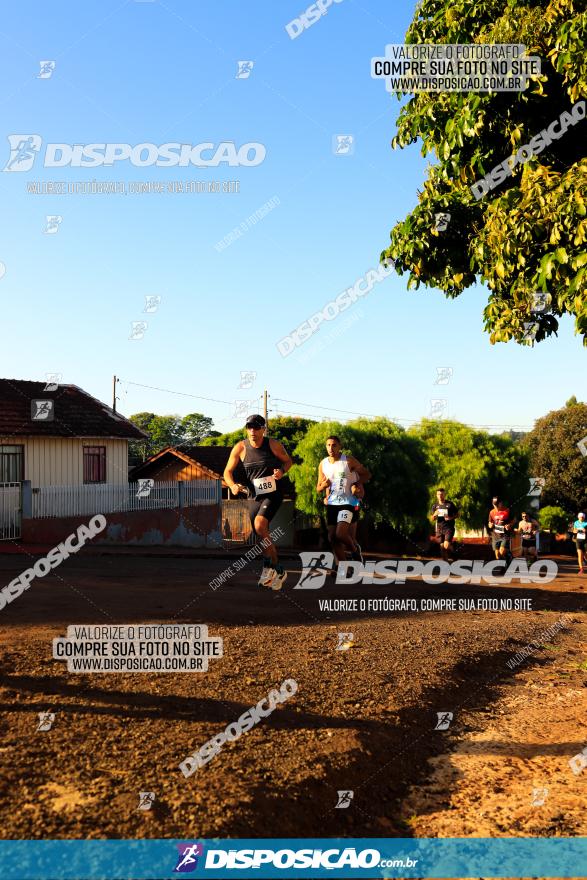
322, 408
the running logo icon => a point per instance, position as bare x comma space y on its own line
46, 720
438, 407
145, 487
444, 375
343, 144
146, 800
53, 380
344, 800
47, 68
152, 303
23, 151
52, 223
539, 796
578, 762
540, 302
245, 69
314, 570
188, 857
138, 329
444, 719
42, 410
247, 379
441, 222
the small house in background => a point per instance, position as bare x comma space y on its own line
61, 437
189, 463
208, 463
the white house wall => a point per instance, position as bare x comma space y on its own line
58, 461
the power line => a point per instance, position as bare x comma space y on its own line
322, 408
315, 406
382, 415
181, 393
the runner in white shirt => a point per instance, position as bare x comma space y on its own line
335, 473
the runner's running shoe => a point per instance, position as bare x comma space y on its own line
267, 574
279, 579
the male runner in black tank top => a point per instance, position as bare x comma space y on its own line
265, 462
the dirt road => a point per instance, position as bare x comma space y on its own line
362, 719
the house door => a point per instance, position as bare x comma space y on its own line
10, 511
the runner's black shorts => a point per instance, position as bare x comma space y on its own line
333, 510
264, 505
445, 533
529, 542
355, 514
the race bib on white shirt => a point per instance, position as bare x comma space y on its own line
345, 516
264, 485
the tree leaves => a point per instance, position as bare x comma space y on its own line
528, 233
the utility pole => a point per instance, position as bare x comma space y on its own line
114, 381
265, 405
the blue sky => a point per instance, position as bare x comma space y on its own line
159, 72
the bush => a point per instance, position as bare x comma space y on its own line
554, 519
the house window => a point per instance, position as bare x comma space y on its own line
94, 464
11, 464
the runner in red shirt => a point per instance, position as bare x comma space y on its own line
500, 526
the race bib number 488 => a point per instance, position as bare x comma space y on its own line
264, 485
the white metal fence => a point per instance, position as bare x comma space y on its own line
10, 511
48, 501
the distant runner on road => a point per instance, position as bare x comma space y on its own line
443, 514
528, 528
265, 462
580, 533
500, 526
335, 473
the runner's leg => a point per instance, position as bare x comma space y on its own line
261, 526
344, 539
333, 544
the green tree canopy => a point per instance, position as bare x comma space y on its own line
472, 466
165, 431
555, 456
289, 430
529, 233
398, 490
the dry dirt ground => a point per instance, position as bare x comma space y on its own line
362, 719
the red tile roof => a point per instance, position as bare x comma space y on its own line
214, 458
76, 413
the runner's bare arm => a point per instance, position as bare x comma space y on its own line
323, 482
233, 461
279, 452
362, 472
